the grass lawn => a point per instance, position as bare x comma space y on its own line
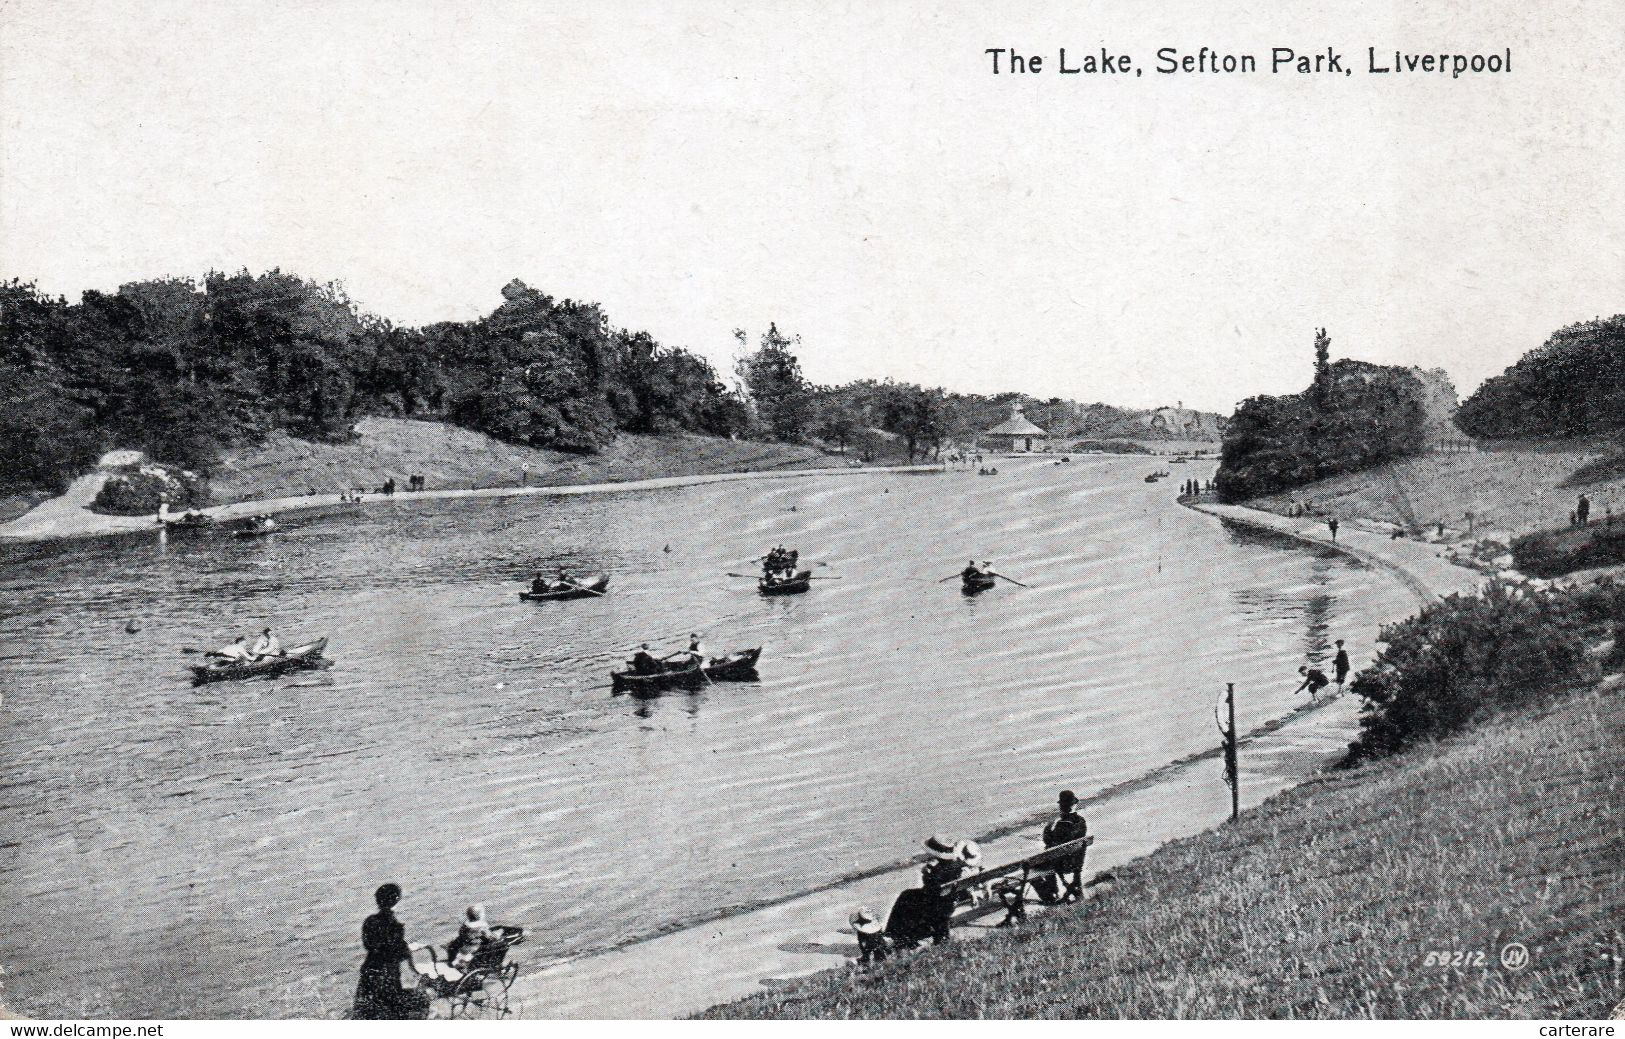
1326, 902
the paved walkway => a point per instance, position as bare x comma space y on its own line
688, 970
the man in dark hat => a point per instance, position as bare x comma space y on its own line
1066, 827
1341, 664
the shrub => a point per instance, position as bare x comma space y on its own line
139, 492
1598, 470
1552, 553
1467, 657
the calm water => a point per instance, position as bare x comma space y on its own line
175, 851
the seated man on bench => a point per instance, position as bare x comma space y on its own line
1065, 828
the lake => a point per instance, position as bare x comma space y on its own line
175, 851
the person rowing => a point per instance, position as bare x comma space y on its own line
539, 585
644, 663
695, 653
971, 571
265, 646
233, 652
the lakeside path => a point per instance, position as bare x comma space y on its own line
739, 952
69, 515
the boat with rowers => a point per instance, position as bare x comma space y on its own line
781, 584
739, 666
306, 657
554, 591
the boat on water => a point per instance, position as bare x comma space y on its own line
739, 666
976, 584
190, 521
582, 590
793, 585
258, 526
297, 658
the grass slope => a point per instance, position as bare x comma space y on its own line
1325, 901
452, 457
1510, 490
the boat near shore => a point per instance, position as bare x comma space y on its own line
588, 590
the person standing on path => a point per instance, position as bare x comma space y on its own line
1331, 525
1341, 664
1582, 510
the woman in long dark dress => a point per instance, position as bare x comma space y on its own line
379, 995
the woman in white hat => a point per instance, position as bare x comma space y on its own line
970, 854
922, 912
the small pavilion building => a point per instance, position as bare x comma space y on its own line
1014, 434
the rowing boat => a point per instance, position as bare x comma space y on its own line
785, 585
735, 667
297, 658
975, 584
585, 591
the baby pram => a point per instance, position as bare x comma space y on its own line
481, 985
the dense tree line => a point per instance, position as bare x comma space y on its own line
182, 370
1353, 416
1574, 385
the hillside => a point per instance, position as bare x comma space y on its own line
1509, 491
1325, 902
450, 457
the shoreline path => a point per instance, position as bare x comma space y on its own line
68, 516
731, 956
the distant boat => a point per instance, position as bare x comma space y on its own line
190, 521
976, 584
558, 592
258, 526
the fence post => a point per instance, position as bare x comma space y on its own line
1232, 767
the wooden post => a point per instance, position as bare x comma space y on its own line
1232, 768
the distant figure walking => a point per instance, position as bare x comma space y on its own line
1314, 680
1340, 665
1331, 525
1582, 510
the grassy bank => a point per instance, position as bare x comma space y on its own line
1510, 491
450, 457
1326, 901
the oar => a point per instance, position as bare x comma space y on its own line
1012, 580
579, 588
745, 575
947, 579
823, 578
201, 652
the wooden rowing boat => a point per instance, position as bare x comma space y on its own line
735, 667
785, 585
977, 584
586, 591
298, 658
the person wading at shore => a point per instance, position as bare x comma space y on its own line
1314, 680
1340, 665
1066, 827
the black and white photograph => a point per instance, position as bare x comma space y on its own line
555, 512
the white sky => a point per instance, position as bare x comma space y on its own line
850, 171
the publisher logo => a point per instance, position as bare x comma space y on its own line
1514, 956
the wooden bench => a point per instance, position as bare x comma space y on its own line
1011, 892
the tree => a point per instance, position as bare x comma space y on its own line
1323, 369
772, 378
